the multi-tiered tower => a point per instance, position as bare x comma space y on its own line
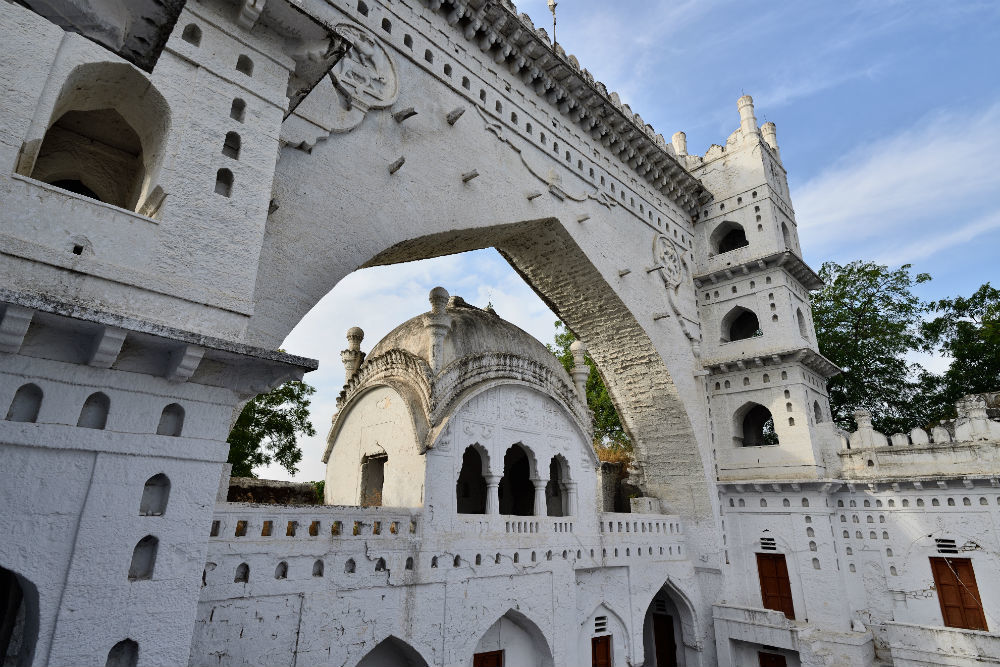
766, 385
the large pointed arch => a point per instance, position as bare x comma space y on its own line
392, 652
688, 628
523, 642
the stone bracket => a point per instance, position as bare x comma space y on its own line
184, 362
13, 327
107, 347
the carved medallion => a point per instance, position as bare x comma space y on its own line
666, 258
366, 73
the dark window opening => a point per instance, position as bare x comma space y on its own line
171, 421
231, 146
242, 574
470, 490
192, 34
123, 654
517, 493
244, 65
238, 110
143, 559
18, 619
25, 405
757, 427
372, 479
224, 182
155, 495
556, 501
740, 324
94, 413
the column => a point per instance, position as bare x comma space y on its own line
493, 494
540, 508
570, 488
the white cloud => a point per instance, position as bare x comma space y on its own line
914, 186
378, 300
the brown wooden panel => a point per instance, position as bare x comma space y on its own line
600, 651
958, 593
775, 588
488, 659
663, 640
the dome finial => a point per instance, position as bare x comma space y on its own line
439, 300
353, 356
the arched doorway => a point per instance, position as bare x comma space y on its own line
669, 620
556, 495
517, 639
754, 426
470, 489
18, 619
392, 652
517, 492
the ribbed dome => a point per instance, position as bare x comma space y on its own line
471, 332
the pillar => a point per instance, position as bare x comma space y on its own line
570, 488
540, 508
493, 494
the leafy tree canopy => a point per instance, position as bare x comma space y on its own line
267, 429
867, 320
610, 436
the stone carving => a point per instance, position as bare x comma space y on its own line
366, 74
669, 262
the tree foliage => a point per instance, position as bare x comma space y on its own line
609, 434
266, 430
867, 320
968, 331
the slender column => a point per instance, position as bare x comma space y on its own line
570, 488
540, 508
493, 494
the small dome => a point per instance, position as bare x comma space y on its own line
472, 332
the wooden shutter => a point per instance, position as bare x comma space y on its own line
488, 659
775, 589
600, 651
961, 605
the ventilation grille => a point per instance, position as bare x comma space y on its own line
767, 544
946, 546
601, 624
660, 606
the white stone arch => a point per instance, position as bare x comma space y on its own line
749, 418
742, 315
691, 624
540, 643
392, 651
621, 643
722, 232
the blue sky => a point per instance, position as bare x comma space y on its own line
888, 117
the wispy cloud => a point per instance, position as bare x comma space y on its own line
916, 185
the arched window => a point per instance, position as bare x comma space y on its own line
803, 330
517, 493
386, 25
94, 413
470, 490
192, 34
817, 412
318, 568
231, 146
26, 403
380, 565
281, 572
105, 138
739, 324
18, 618
754, 426
123, 654
786, 236
242, 574
349, 566
556, 497
244, 65
143, 559
372, 479
728, 236
238, 110
171, 421
155, 495
362, 8
224, 182
428, 56
408, 41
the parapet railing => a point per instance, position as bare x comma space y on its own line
640, 525
247, 520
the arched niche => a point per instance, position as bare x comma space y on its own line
18, 619
143, 559
94, 413
470, 489
669, 629
171, 421
123, 654
517, 491
25, 405
522, 642
155, 494
105, 137
753, 426
739, 324
392, 652
801, 319
728, 236
556, 489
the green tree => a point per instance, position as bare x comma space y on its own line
609, 434
867, 320
267, 429
967, 330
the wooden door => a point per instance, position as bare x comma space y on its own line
958, 593
600, 651
663, 640
771, 660
775, 588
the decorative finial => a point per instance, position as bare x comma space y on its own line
439, 300
581, 371
552, 8
353, 356
438, 321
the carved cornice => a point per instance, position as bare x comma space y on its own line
785, 259
512, 40
807, 357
